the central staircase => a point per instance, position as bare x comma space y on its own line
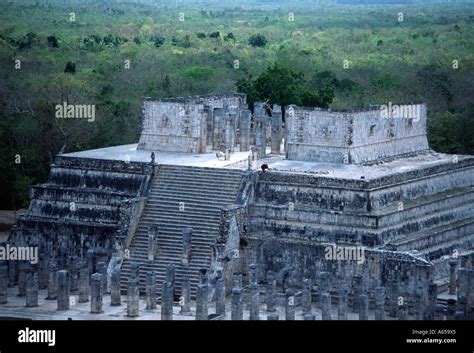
203, 192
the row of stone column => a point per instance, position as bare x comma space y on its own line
358, 300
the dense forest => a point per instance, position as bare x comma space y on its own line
112, 54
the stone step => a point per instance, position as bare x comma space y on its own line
204, 191
203, 199
210, 206
184, 215
428, 240
429, 222
165, 224
175, 247
81, 195
167, 168
189, 186
193, 184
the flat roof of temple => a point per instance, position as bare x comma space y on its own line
369, 172
130, 152
277, 163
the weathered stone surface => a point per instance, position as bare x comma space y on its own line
290, 304
32, 287
201, 302
306, 299
185, 298
115, 297
96, 293
271, 292
63, 290
237, 307
133, 299
167, 302
151, 290
84, 284
3, 283
326, 306
52, 281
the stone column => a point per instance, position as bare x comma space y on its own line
271, 291
209, 112
393, 296
276, 129
466, 287
202, 140
233, 121
290, 304
32, 288
216, 136
135, 270
96, 293
325, 300
220, 296
3, 283
84, 284
229, 130
151, 290
24, 267
12, 273
356, 292
90, 260
432, 298
152, 234
452, 276
306, 298
52, 281
245, 130
170, 277
342, 303
43, 272
167, 301
380, 303
73, 269
187, 236
201, 301
102, 269
254, 293
115, 297
133, 299
402, 312
261, 143
63, 290
237, 308
185, 299
237, 280
363, 307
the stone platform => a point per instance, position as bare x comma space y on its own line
132, 154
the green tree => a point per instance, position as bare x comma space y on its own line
53, 41
70, 67
257, 40
284, 86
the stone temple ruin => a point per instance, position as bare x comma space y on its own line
355, 211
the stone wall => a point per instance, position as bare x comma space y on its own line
353, 137
188, 124
87, 204
172, 126
301, 260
